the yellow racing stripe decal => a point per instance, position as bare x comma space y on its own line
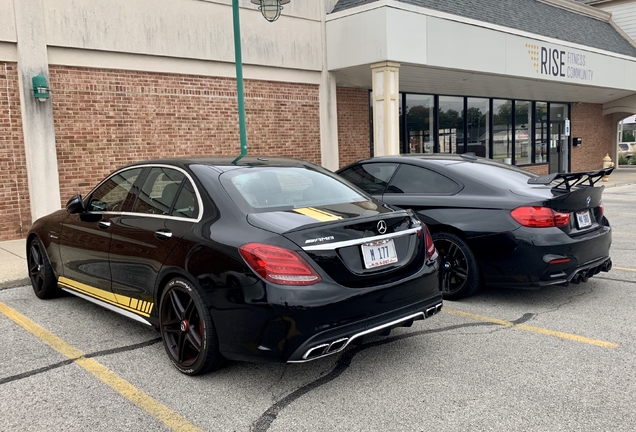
145, 402
128, 303
540, 330
317, 214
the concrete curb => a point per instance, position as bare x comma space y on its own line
15, 283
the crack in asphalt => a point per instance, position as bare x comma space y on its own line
569, 300
266, 419
70, 361
615, 280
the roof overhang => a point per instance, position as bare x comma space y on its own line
447, 54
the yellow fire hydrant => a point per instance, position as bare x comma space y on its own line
607, 163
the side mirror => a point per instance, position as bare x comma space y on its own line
75, 205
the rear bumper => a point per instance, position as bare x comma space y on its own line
334, 341
302, 324
544, 259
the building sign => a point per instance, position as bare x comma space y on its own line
562, 63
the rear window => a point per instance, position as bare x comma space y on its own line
508, 177
281, 188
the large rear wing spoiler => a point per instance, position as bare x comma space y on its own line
566, 181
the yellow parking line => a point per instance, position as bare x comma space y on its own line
623, 268
533, 329
168, 417
623, 233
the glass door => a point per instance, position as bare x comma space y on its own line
558, 140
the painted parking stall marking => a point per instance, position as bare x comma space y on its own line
159, 411
540, 330
623, 268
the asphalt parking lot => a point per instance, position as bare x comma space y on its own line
559, 359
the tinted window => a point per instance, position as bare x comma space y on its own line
110, 195
372, 178
414, 179
494, 175
167, 191
186, 204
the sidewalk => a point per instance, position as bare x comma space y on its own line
13, 266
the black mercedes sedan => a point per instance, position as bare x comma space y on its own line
495, 224
255, 259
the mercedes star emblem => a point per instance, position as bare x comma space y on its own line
381, 227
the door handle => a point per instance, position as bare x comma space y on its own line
163, 234
103, 224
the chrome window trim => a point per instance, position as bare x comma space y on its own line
337, 245
177, 218
188, 176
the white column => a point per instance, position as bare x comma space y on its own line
37, 117
386, 108
330, 157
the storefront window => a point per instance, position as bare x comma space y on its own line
511, 131
502, 130
451, 124
477, 126
541, 132
523, 126
419, 123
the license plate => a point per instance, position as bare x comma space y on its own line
583, 218
379, 253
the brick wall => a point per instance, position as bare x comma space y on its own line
105, 119
15, 212
537, 169
597, 132
353, 124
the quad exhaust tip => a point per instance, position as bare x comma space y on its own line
584, 275
338, 345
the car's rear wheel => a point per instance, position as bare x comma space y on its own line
40, 272
459, 268
187, 329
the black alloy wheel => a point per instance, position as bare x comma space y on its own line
459, 268
40, 272
187, 329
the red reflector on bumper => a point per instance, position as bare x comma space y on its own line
559, 261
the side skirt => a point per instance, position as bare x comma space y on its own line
108, 300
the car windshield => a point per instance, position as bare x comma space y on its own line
258, 189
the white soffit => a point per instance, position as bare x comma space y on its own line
447, 54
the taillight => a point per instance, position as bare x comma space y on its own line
540, 217
279, 265
601, 209
430, 246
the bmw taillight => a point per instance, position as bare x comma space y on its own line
540, 217
279, 265
430, 246
601, 209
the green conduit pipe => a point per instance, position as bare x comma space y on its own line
239, 80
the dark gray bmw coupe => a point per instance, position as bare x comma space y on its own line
496, 224
274, 260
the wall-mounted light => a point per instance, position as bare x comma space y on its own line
41, 90
270, 8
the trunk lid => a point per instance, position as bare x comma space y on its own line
356, 244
